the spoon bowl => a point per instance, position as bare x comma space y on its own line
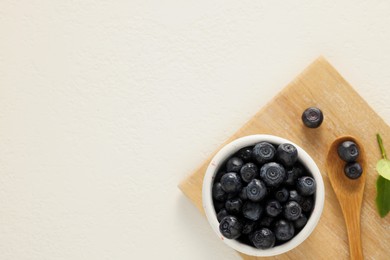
349, 192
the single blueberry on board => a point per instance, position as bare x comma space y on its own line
312, 117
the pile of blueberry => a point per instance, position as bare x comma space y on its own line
349, 152
263, 195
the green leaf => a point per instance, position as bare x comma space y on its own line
383, 196
383, 168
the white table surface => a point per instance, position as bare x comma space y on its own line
105, 107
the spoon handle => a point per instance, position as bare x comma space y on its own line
352, 221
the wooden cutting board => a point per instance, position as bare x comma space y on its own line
345, 112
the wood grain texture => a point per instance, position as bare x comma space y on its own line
348, 192
346, 113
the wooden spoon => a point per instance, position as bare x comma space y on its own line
349, 192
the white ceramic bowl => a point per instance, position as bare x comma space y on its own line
208, 206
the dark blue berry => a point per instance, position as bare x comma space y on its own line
287, 154
256, 190
348, 151
282, 195
245, 154
300, 222
306, 186
218, 205
234, 164
249, 226
284, 230
294, 196
272, 174
353, 170
232, 195
249, 171
292, 210
312, 117
233, 206
252, 210
292, 175
273, 208
307, 204
231, 182
266, 221
242, 195
218, 193
263, 238
263, 152
219, 175
230, 227
221, 214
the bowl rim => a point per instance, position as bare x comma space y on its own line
208, 205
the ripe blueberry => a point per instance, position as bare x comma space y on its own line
221, 214
284, 230
272, 174
232, 195
252, 210
287, 154
273, 208
306, 186
231, 182
307, 204
263, 238
263, 152
282, 195
218, 193
292, 210
353, 170
292, 175
248, 172
234, 164
256, 190
248, 227
312, 117
348, 151
233, 206
219, 175
294, 196
242, 195
218, 205
300, 222
245, 154
230, 227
